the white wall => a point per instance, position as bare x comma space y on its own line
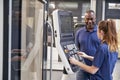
1, 38
93, 5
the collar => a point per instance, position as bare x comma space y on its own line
95, 28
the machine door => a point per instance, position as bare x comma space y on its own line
26, 61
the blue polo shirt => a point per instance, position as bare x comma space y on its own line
105, 61
87, 42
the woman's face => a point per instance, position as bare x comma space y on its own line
100, 34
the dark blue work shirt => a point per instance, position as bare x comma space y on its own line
87, 42
105, 61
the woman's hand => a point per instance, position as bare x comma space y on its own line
82, 54
73, 61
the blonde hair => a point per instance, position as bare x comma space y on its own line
110, 33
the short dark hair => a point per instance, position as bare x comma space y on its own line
89, 11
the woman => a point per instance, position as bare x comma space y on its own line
106, 55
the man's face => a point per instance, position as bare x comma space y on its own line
90, 20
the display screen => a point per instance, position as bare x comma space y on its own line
66, 23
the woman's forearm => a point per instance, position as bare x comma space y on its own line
89, 69
89, 58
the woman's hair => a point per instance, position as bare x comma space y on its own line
110, 33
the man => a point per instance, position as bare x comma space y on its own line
87, 41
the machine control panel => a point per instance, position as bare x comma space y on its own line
64, 39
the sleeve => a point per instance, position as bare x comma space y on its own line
99, 57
